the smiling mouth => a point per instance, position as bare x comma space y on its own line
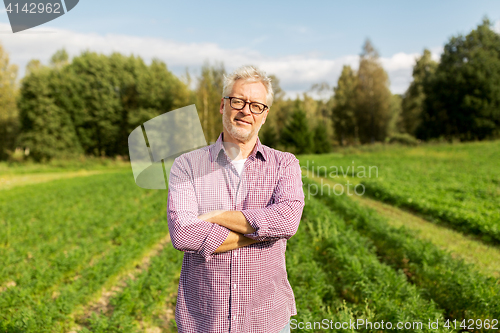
242, 122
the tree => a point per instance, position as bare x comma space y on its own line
396, 121
323, 104
278, 111
321, 142
279, 94
115, 94
32, 66
9, 123
92, 104
463, 97
296, 132
46, 128
59, 59
208, 96
413, 100
269, 136
372, 97
103, 92
344, 101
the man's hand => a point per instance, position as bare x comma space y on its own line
232, 219
234, 241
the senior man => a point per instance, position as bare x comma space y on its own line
231, 208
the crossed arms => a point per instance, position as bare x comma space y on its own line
221, 231
238, 225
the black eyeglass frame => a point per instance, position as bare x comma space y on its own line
249, 103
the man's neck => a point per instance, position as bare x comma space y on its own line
237, 150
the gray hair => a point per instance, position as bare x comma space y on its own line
251, 74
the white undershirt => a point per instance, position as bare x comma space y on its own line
239, 165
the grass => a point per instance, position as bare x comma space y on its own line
70, 244
454, 285
146, 301
457, 185
486, 258
62, 241
373, 290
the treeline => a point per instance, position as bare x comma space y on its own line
455, 98
90, 104
459, 97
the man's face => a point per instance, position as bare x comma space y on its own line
243, 125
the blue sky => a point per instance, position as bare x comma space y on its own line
302, 42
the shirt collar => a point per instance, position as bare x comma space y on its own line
218, 146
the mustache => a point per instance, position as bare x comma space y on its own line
243, 120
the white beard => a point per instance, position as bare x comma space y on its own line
240, 134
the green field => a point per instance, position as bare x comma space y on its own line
91, 253
458, 185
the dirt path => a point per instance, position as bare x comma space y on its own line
485, 258
114, 287
10, 181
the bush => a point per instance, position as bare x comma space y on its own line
402, 138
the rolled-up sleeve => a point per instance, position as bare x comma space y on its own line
187, 232
280, 219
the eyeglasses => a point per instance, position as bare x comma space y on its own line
239, 104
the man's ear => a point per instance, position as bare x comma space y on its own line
265, 117
221, 107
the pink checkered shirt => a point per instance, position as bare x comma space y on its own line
243, 290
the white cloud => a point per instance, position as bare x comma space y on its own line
496, 27
399, 61
399, 68
297, 73
436, 53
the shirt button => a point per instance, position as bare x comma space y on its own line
234, 317
235, 286
235, 254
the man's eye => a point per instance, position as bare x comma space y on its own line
257, 107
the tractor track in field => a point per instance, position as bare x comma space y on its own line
118, 284
485, 258
10, 181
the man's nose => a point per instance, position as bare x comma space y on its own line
246, 109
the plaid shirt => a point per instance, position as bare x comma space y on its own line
243, 290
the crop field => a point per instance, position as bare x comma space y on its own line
457, 185
91, 253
